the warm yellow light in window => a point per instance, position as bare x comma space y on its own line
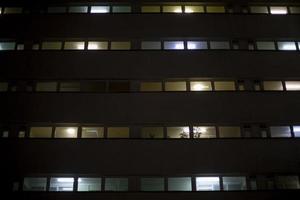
200, 87
71, 131
172, 9
277, 10
193, 9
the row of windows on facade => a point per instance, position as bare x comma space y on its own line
155, 132
153, 184
149, 86
265, 9
154, 45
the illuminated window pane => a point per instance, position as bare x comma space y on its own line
200, 86
196, 45
40, 132
116, 184
151, 45
265, 45
150, 9
5, 134
74, 46
295, 10
92, 132
224, 85
172, 9
234, 183
229, 131
34, 184
78, 9
292, 85
21, 134
273, 85
121, 9
175, 86
118, 132
66, 132
207, 183
93, 86
152, 132
259, 9
215, 9
51, 45
287, 182
178, 132
99, 9
193, 9
219, 45
57, 10
3, 86
62, 184
120, 45
13, 10
97, 45
46, 86
180, 184
174, 45
287, 46
280, 131
7, 46
152, 184
151, 86
204, 132
69, 87
278, 10
296, 130
89, 184
20, 47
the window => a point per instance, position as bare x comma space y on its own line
178, 132
66, 132
224, 85
99, 9
116, 184
272, 85
215, 9
93, 86
3, 86
150, 9
193, 9
287, 182
13, 10
57, 10
152, 184
151, 86
278, 10
219, 45
175, 86
119, 86
46, 86
200, 86
89, 184
234, 183
265, 45
74, 46
180, 184
174, 45
120, 46
296, 130
78, 9
207, 183
287, 46
280, 131
194, 45
121, 9
94, 45
292, 85
152, 132
7, 46
229, 131
35, 46
51, 45
92, 132
118, 132
172, 9
204, 132
69, 87
5, 134
259, 9
40, 132
20, 47
34, 184
62, 184
21, 134
295, 10
151, 45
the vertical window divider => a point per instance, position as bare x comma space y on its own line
190, 132
75, 183
194, 187
213, 86
79, 131
53, 131
217, 132
283, 85
269, 10
188, 85
102, 184
292, 131
48, 183
221, 183
165, 132
166, 185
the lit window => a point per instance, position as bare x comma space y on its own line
92, 132
215, 9
259, 9
51, 45
280, 131
204, 132
20, 47
224, 85
265, 45
150, 86
21, 134
178, 132
97, 45
234, 183
46, 86
74, 46
191, 45
229, 131
219, 45
175, 86
193, 9
116, 184
3, 86
278, 10
121, 9
296, 130
93, 86
292, 85
5, 134
89, 184
150, 9
119, 86
66, 132
207, 183
7, 46
34, 184
180, 184
13, 10
152, 132
174, 45
287, 182
69, 87
40, 132
78, 9
201, 86
57, 10
99, 9
287, 46
62, 184
172, 9
295, 10
152, 184
118, 132
273, 85
120, 45
151, 45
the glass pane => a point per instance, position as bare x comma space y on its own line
116, 184
178, 132
46, 86
280, 131
92, 132
196, 45
120, 45
51, 45
57, 10
151, 45
119, 86
204, 132
278, 10
13, 10
3, 86
150, 9
69, 87
99, 9
93, 86
215, 9
193, 9
265, 45
78, 9
174, 45
234, 183
175, 86
118, 132
62, 184
273, 85
40, 132
207, 183
219, 45
224, 85
259, 9
201, 86
152, 132
292, 85
296, 130
74, 46
7, 46
172, 9
150, 86
152, 184
229, 131
287, 182
97, 45
66, 132
121, 9
180, 184
34, 184
89, 184
295, 10
287, 46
